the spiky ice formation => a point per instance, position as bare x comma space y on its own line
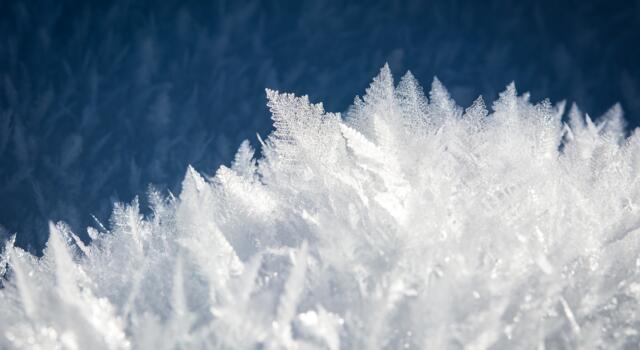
410, 223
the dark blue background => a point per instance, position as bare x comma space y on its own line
97, 100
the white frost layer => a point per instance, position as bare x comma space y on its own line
410, 223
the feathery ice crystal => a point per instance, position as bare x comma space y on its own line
409, 223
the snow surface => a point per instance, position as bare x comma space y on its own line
410, 222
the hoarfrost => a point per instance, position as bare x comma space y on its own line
409, 223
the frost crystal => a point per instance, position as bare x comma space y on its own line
409, 223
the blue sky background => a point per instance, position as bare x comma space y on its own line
99, 99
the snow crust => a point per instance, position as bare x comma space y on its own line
409, 222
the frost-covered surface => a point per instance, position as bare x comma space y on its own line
407, 223
100, 98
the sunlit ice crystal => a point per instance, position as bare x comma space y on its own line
408, 222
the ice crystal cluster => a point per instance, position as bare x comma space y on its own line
410, 222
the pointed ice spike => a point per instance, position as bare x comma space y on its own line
193, 179
381, 89
576, 119
441, 105
80, 244
613, 122
593, 128
477, 111
297, 125
379, 101
560, 108
128, 219
567, 133
412, 101
243, 162
439, 95
410, 92
100, 225
507, 99
58, 247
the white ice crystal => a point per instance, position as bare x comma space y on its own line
407, 223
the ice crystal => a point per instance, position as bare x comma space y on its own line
408, 223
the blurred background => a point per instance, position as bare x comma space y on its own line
100, 99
